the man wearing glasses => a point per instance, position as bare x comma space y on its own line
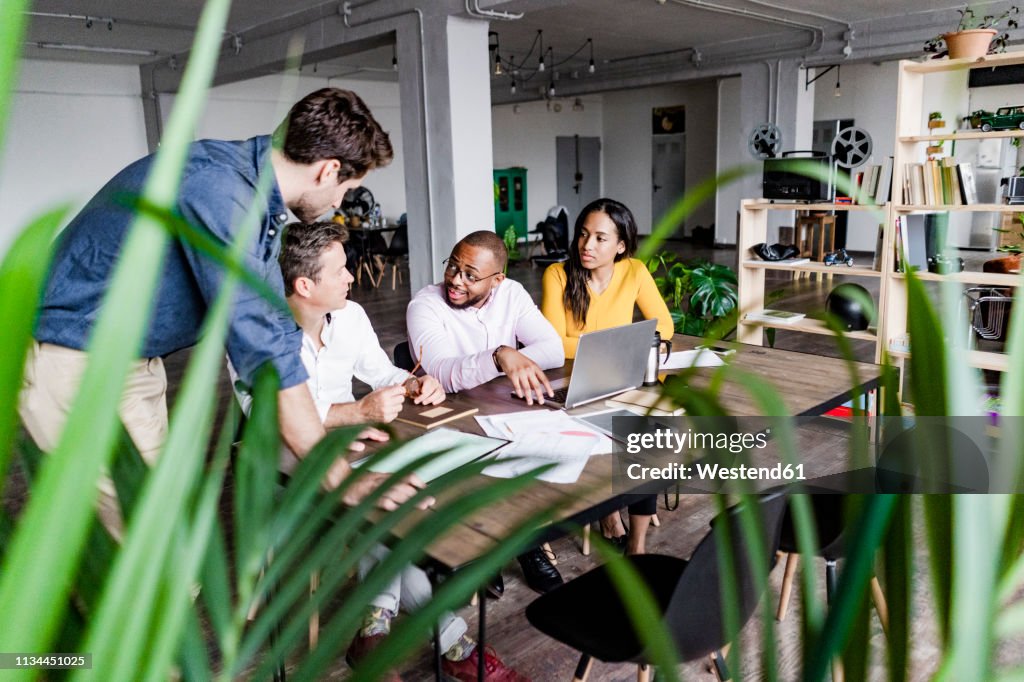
469, 328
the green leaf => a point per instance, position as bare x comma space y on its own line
13, 19
22, 278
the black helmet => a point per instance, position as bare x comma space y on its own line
847, 302
358, 201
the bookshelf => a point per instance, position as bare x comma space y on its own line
751, 272
912, 135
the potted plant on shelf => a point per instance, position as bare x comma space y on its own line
935, 120
1010, 263
975, 36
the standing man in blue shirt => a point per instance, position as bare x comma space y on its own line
325, 147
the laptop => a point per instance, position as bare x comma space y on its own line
607, 362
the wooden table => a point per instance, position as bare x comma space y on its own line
808, 384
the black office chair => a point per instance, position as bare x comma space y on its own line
554, 231
830, 523
395, 253
587, 614
403, 357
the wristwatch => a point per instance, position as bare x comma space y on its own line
494, 357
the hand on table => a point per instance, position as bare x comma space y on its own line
527, 378
391, 499
382, 405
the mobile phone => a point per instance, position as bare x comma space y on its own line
720, 350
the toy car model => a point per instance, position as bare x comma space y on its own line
838, 257
1005, 118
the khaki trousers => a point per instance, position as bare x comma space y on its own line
52, 377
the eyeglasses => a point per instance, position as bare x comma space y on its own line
452, 269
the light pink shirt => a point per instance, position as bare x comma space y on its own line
458, 344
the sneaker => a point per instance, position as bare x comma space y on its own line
494, 669
362, 647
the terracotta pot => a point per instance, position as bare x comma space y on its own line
971, 44
1007, 264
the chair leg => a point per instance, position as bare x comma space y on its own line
472, 600
830, 580
394, 275
878, 597
314, 618
718, 663
586, 540
655, 521
787, 586
583, 669
643, 673
550, 553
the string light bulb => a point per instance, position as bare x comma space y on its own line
591, 67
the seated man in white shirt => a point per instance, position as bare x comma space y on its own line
339, 343
470, 326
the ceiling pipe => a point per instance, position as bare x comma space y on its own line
817, 32
478, 12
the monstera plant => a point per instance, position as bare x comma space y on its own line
700, 294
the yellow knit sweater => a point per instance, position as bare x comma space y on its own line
631, 285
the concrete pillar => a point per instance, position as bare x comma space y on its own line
446, 123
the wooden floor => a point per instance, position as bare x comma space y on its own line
543, 659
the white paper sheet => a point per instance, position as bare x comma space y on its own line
461, 448
692, 358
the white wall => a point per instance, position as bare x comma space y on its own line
527, 139
869, 98
626, 159
72, 127
255, 107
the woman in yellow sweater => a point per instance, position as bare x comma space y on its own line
597, 288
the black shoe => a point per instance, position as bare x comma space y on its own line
620, 543
538, 571
496, 588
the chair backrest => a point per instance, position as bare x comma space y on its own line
399, 241
403, 357
829, 522
695, 614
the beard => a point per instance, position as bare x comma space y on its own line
468, 302
307, 210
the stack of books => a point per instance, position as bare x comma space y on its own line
939, 182
774, 316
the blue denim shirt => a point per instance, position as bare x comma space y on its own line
218, 186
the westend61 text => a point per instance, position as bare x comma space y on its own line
716, 472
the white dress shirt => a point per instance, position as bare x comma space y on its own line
350, 349
458, 344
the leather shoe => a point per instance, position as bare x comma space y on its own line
619, 543
362, 647
538, 571
496, 588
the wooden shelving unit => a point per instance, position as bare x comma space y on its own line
911, 135
751, 276
911, 132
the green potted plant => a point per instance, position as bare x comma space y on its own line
700, 295
1009, 263
935, 120
975, 36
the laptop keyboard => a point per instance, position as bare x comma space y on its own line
560, 394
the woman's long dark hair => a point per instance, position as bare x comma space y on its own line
577, 297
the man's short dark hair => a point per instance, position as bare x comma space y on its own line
485, 239
301, 247
332, 123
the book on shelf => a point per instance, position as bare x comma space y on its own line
876, 263
646, 402
775, 316
968, 188
430, 416
883, 188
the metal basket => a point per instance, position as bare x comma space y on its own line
988, 311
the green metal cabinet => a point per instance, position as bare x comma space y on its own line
510, 200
